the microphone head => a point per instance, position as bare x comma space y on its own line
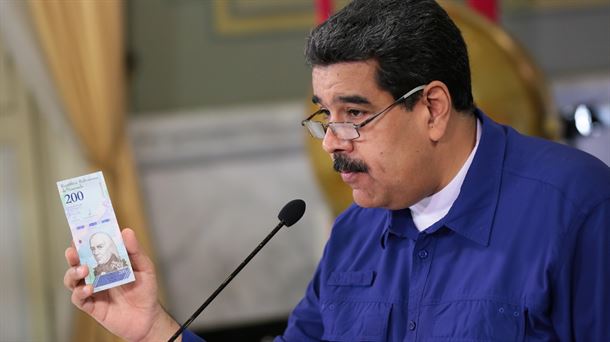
292, 212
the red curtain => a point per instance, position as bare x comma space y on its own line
488, 8
324, 9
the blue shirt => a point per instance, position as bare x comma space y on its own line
523, 254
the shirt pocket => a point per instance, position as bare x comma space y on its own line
355, 321
477, 320
348, 315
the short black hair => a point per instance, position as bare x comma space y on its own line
413, 41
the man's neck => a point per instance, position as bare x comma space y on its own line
453, 151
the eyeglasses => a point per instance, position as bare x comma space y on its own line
347, 130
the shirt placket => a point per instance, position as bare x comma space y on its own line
421, 262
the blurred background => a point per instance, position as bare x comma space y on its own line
191, 108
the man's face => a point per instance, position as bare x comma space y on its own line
100, 247
394, 150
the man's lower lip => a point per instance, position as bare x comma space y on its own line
348, 177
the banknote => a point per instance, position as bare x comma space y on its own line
95, 231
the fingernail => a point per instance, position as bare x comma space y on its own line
81, 270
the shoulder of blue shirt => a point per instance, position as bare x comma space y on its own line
580, 177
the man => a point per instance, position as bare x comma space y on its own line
106, 254
462, 229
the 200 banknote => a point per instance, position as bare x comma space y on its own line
95, 231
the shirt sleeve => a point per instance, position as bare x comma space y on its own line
582, 296
188, 336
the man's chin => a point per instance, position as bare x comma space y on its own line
363, 199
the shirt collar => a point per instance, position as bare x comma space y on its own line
473, 211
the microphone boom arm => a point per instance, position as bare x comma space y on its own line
226, 282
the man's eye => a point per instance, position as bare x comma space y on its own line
355, 113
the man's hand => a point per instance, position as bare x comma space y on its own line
130, 311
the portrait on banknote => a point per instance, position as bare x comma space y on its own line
106, 254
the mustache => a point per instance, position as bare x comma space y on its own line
341, 163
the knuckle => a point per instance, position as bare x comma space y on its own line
71, 278
68, 278
75, 299
78, 295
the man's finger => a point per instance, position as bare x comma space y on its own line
72, 256
74, 276
80, 295
139, 260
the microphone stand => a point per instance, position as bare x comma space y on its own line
226, 282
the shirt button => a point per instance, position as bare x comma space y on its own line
411, 325
423, 254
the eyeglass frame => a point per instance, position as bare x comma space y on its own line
346, 124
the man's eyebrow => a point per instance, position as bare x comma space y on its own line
355, 99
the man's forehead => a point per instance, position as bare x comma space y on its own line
346, 82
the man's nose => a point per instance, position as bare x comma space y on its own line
331, 143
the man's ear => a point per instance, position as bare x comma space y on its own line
438, 100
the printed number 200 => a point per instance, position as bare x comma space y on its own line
73, 197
